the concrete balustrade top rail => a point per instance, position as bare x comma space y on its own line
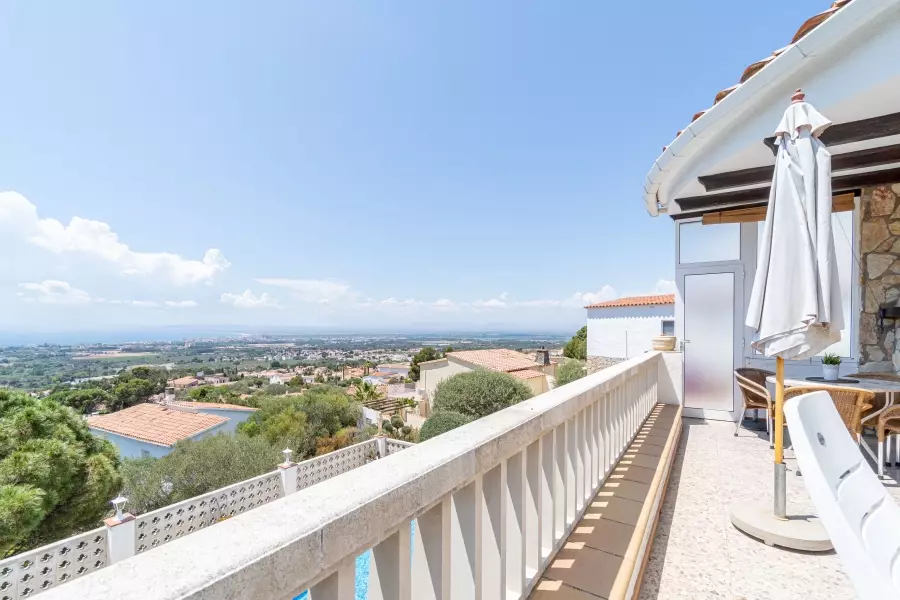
284, 547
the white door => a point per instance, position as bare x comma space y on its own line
711, 318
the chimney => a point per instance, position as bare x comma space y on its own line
542, 357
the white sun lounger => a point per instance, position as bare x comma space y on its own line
861, 518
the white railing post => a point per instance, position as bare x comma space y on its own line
533, 508
340, 585
389, 570
548, 480
514, 536
120, 533
492, 525
381, 441
431, 554
288, 472
464, 553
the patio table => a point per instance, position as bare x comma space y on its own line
888, 388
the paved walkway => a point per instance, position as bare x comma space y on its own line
586, 567
698, 554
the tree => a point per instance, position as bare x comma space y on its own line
366, 392
569, 371
442, 422
425, 354
56, 478
448, 350
577, 346
296, 381
83, 401
195, 467
130, 392
275, 364
479, 393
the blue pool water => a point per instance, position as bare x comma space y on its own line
362, 571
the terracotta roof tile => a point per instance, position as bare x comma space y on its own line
155, 424
526, 374
498, 359
636, 301
759, 65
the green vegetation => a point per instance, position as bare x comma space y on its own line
469, 396
55, 477
479, 393
577, 346
194, 468
424, 355
569, 371
442, 422
831, 359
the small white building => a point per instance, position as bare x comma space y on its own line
626, 327
401, 369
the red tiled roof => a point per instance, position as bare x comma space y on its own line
498, 359
758, 66
636, 301
155, 424
526, 374
213, 405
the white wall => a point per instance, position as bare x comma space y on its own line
234, 417
625, 331
432, 374
132, 448
669, 379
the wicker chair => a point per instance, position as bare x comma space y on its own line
755, 395
880, 400
850, 403
888, 425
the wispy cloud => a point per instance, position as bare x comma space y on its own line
248, 299
324, 291
97, 240
181, 303
52, 291
665, 286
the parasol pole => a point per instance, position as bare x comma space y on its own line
780, 470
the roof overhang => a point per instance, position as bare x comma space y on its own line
847, 69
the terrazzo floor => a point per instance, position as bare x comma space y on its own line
697, 552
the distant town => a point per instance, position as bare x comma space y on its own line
37, 368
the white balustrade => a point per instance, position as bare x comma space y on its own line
35, 571
491, 503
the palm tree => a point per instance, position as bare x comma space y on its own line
367, 393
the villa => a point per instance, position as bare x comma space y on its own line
614, 486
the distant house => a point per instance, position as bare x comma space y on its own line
216, 378
152, 429
183, 383
276, 378
401, 369
235, 413
535, 371
623, 328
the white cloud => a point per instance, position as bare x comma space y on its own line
181, 303
98, 240
323, 291
144, 303
249, 300
664, 286
603, 294
498, 302
444, 304
51, 291
394, 302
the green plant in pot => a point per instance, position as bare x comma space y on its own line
831, 365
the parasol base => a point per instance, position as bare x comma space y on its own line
797, 532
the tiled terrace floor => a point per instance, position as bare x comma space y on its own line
587, 565
698, 554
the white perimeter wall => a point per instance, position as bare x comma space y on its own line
609, 328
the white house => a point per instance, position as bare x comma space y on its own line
626, 327
713, 181
401, 369
152, 429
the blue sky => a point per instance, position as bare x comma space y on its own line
387, 165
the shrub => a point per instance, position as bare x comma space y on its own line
569, 371
479, 393
396, 422
442, 422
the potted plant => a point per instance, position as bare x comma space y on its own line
831, 364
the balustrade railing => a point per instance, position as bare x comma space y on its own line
38, 570
490, 504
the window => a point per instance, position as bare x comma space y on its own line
668, 327
145, 453
699, 243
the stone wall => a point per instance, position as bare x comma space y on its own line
879, 275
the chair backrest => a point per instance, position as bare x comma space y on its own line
849, 402
862, 520
753, 383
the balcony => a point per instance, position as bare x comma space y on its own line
597, 489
